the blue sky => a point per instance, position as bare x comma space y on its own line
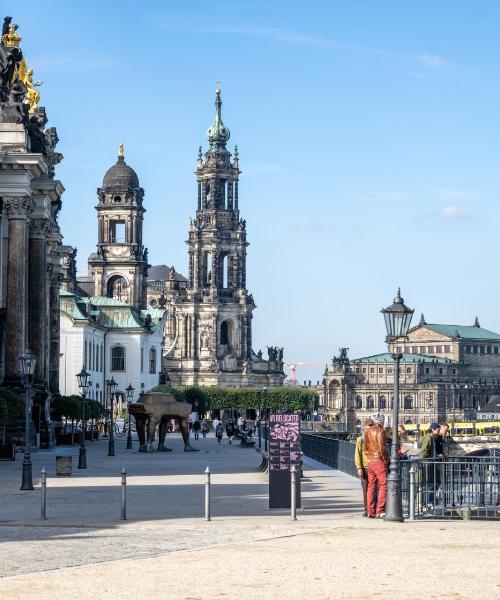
369, 142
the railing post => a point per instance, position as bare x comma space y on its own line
293, 491
43, 508
207, 494
411, 491
124, 495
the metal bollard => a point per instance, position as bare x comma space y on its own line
124, 495
43, 508
293, 491
207, 495
412, 493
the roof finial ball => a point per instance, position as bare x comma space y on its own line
120, 151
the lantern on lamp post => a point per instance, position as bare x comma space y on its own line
112, 385
130, 398
83, 378
27, 364
397, 322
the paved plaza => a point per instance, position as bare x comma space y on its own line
331, 551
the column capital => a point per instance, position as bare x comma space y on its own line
18, 207
39, 229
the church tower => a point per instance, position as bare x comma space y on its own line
119, 267
209, 339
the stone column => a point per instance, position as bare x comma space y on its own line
55, 284
37, 288
18, 210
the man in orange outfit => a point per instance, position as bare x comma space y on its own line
375, 446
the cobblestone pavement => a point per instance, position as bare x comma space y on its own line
165, 504
167, 547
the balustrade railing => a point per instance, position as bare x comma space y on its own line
458, 487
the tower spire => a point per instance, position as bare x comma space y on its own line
218, 134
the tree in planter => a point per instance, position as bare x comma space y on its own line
67, 407
94, 411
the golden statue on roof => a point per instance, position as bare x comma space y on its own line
120, 150
11, 39
32, 96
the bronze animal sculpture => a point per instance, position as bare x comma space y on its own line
156, 409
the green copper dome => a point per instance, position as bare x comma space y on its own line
218, 133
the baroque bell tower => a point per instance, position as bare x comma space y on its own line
209, 341
119, 268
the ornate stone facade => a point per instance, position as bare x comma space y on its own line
31, 254
208, 336
448, 372
120, 265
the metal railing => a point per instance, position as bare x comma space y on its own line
458, 487
331, 451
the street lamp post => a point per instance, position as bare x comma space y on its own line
130, 396
266, 416
431, 406
397, 321
112, 385
27, 368
259, 401
83, 379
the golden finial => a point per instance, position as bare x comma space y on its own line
120, 150
11, 39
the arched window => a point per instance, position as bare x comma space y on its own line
408, 402
382, 402
359, 402
225, 333
370, 402
85, 355
152, 360
118, 358
102, 361
117, 288
142, 359
207, 269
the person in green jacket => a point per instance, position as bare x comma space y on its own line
361, 463
431, 448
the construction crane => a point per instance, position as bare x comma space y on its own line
292, 365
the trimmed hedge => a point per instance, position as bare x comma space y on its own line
70, 408
226, 398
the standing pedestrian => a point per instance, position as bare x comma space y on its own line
431, 449
361, 463
230, 431
219, 432
205, 428
196, 429
375, 446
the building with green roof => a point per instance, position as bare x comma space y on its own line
448, 372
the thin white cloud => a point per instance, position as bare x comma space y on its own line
451, 212
270, 33
433, 62
53, 62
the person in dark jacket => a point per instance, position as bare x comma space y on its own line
219, 432
230, 431
196, 429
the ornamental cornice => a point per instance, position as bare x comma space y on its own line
18, 207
